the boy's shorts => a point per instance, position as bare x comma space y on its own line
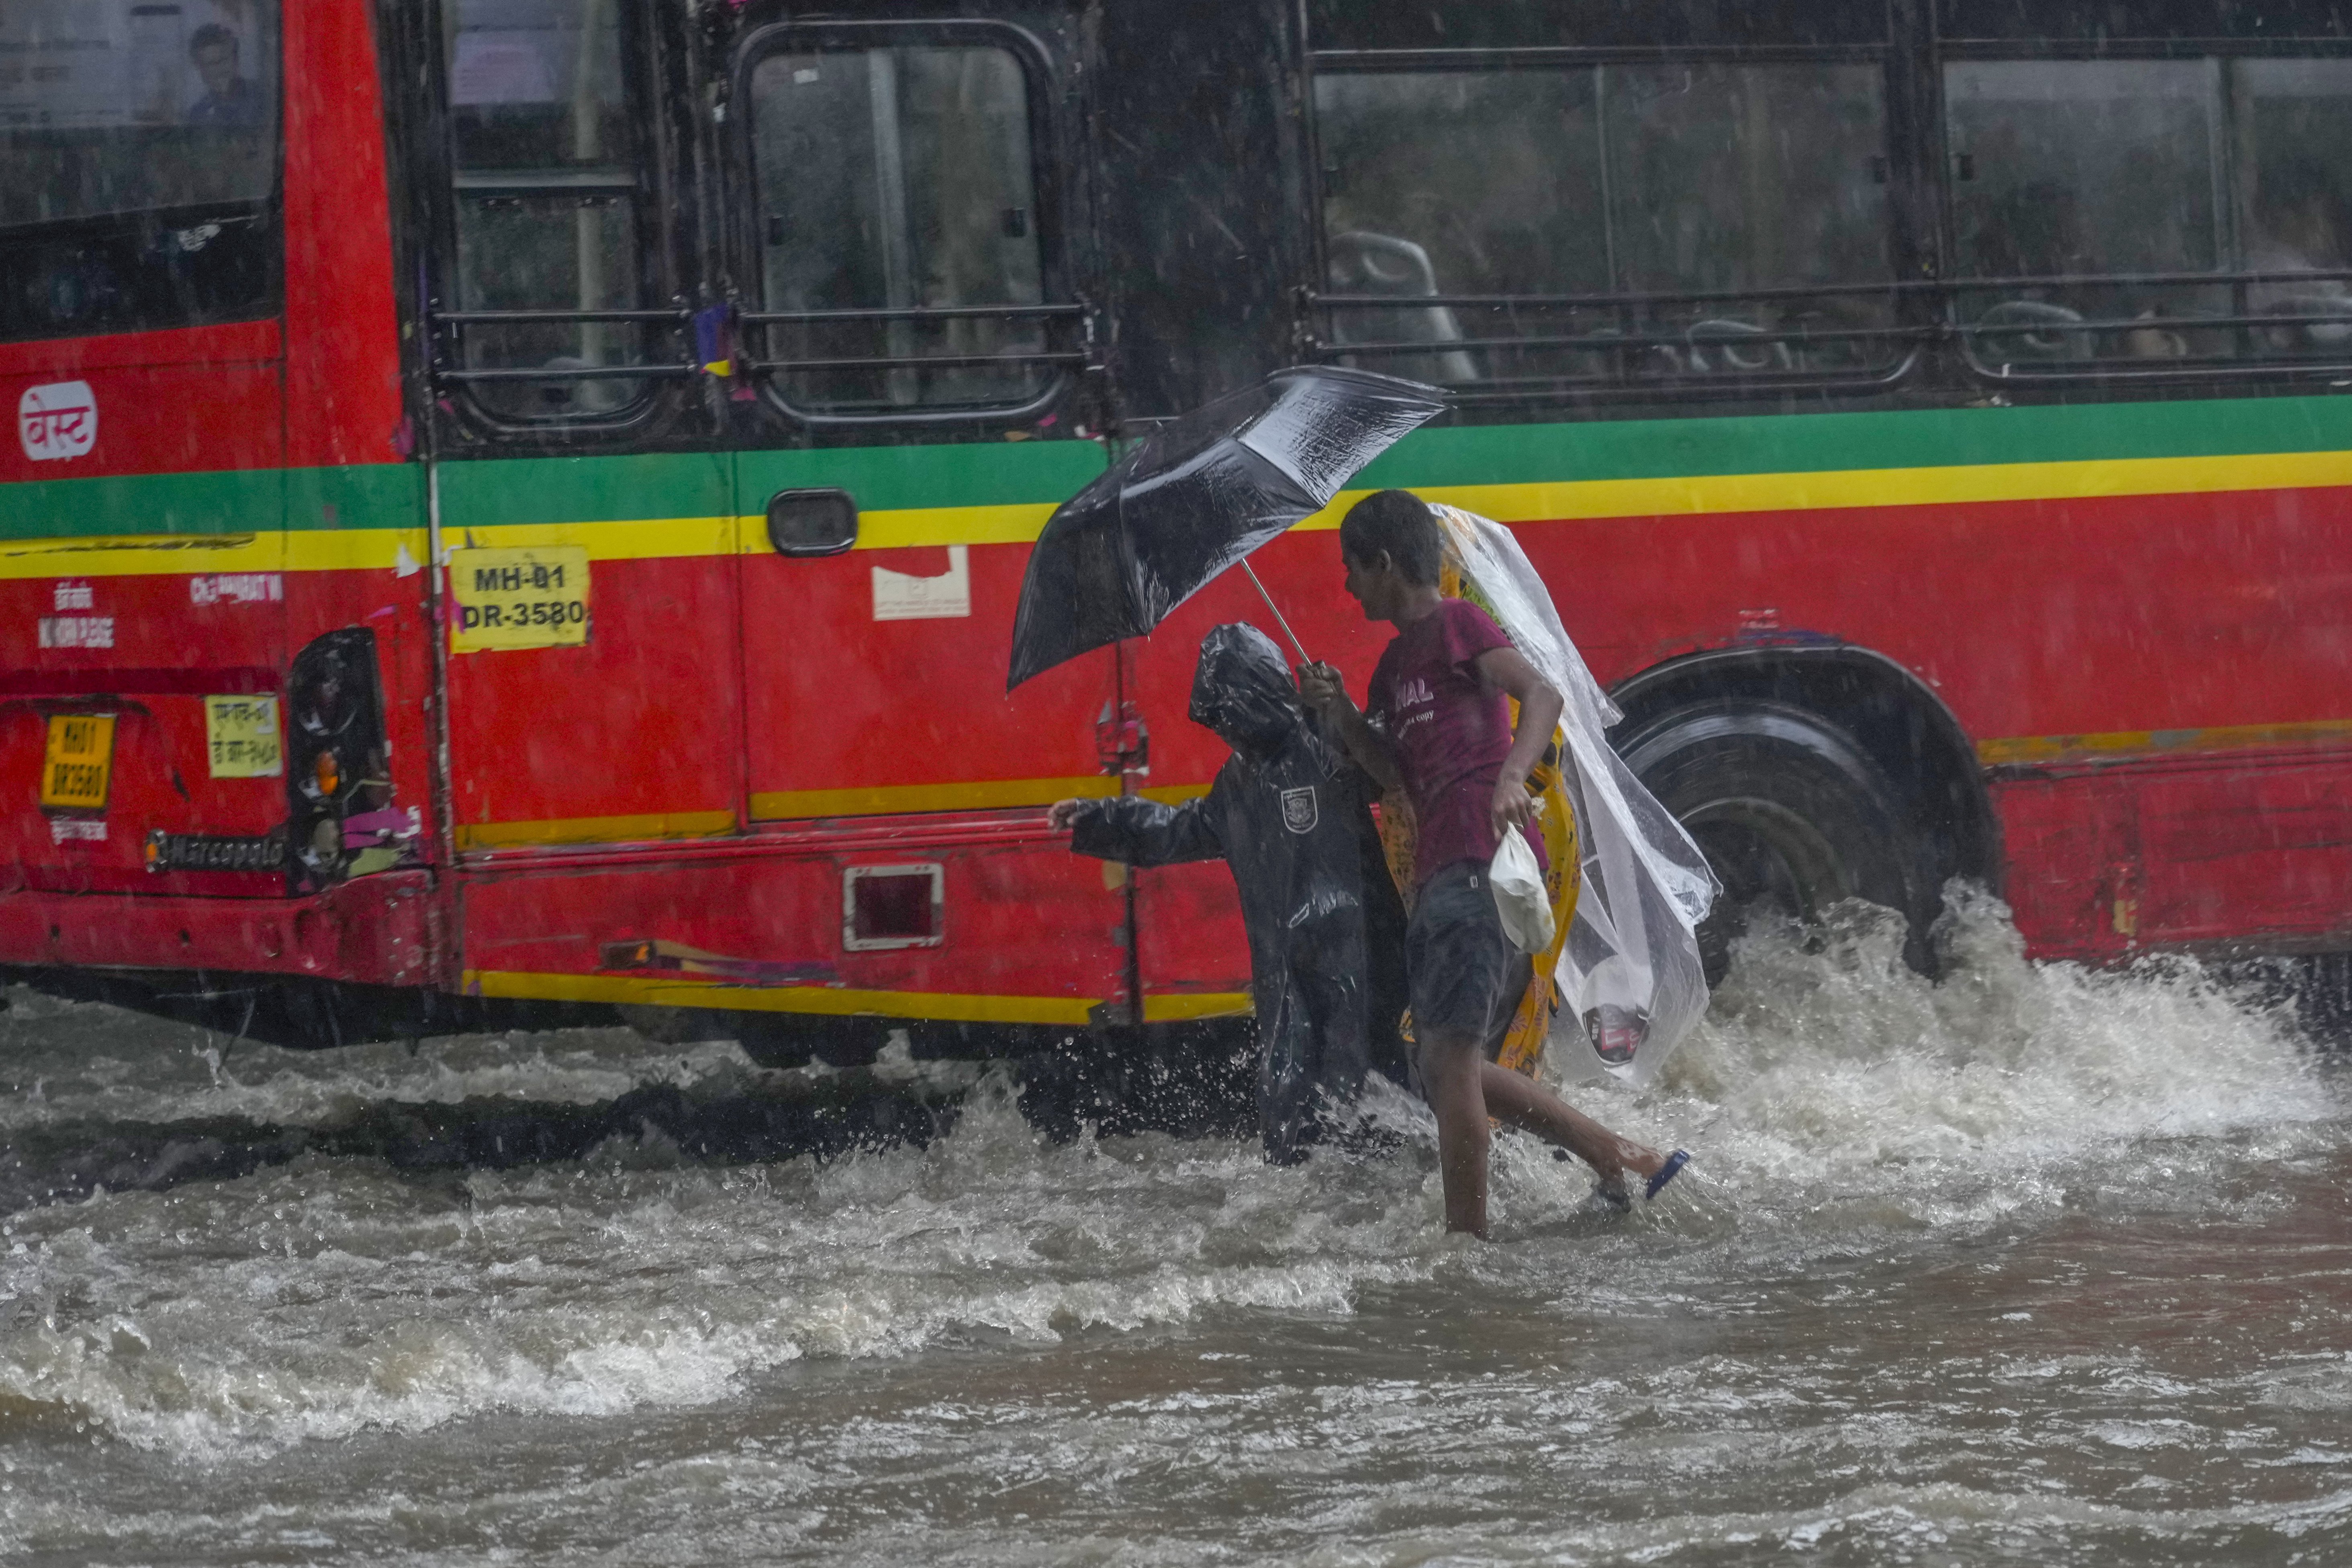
1462, 971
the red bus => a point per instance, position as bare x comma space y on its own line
524, 499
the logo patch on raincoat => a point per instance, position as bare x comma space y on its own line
1298, 813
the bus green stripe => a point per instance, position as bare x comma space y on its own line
882, 478
243, 501
601, 489
911, 478
1827, 443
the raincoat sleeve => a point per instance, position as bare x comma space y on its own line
1146, 833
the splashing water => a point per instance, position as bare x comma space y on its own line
2034, 1261
1840, 1074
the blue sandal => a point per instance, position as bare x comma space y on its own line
1668, 1172
1615, 1197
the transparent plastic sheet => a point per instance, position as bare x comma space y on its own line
1630, 981
1291, 816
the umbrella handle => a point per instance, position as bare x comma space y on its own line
1276, 613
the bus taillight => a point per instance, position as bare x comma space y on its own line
335, 731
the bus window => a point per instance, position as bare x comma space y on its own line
2101, 23
1597, 226
139, 155
1431, 25
897, 183
1441, 182
1729, 178
544, 132
2293, 177
1749, 177
2076, 170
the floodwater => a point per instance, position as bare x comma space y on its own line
2034, 1264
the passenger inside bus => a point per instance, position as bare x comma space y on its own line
230, 97
2104, 171
2034, 230
1676, 182
137, 162
2299, 226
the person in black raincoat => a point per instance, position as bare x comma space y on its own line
1290, 815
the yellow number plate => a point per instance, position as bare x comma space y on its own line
517, 598
80, 762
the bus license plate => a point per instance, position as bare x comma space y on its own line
518, 598
81, 761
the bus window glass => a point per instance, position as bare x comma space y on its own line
897, 179
137, 164
1439, 183
545, 153
2062, 169
1732, 177
1727, 178
2293, 179
1607, 181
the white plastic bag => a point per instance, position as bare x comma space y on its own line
1520, 897
1631, 984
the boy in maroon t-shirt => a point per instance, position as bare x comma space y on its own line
1438, 724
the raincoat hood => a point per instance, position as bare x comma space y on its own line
1242, 689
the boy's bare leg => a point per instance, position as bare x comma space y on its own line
1450, 1066
1519, 1101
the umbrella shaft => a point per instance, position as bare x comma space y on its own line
1275, 611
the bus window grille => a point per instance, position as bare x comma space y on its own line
1625, 345
452, 369
450, 366
1670, 346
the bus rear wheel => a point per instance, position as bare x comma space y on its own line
1793, 815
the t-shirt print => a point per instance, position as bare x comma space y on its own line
1412, 702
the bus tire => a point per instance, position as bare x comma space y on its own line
1792, 812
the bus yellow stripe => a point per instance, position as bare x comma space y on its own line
931, 525
1184, 1006
1679, 496
596, 829
1701, 494
355, 549
788, 805
144, 556
2120, 744
953, 1006
318, 550
639, 539
983, 794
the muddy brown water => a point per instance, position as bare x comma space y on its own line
2033, 1265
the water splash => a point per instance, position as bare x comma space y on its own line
1833, 1098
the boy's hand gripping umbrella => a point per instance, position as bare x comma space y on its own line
1195, 496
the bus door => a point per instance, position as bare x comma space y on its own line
590, 599
910, 327
142, 586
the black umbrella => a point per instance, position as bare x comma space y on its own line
1197, 495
